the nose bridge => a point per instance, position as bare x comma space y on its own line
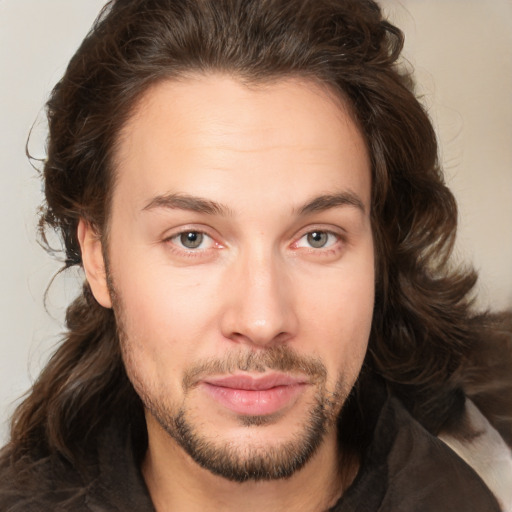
261, 309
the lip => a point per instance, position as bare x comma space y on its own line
255, 395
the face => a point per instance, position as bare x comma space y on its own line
241, 268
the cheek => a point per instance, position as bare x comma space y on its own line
165, 317
340, 312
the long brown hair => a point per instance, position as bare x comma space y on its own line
421, 334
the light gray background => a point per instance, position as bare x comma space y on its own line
461, 50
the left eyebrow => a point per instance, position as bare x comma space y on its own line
328, 201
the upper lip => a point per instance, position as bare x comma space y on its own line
255, 383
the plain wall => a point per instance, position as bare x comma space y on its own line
461, 50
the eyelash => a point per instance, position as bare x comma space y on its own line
174, 242
332, 239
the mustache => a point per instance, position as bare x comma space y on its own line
282, 359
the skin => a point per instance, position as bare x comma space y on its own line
259, 282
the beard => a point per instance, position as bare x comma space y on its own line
248, 462
224, 458
251, 463
256, 463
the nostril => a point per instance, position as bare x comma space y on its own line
260, 339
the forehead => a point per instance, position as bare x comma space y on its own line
198, 133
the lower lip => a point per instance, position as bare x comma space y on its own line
255, 402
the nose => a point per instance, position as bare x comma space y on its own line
259, 308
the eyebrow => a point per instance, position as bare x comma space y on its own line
187, 202
209, 207
328, 201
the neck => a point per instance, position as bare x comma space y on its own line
178, 483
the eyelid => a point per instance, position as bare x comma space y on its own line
205, 237
170, 238
330, 230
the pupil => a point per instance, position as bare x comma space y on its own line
317, 239
191, 240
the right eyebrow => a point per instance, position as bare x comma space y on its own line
187, 202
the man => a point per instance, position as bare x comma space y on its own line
269, 320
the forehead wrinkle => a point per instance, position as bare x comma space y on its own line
297, 147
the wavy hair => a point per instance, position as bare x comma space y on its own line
421, 334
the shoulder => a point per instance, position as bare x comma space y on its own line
28, 485
427, 474
108, 479
405, 468
486, 452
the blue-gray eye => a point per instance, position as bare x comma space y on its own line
191, 239
317, 239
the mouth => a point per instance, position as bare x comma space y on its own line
250, 395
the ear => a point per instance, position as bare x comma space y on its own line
93, 262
